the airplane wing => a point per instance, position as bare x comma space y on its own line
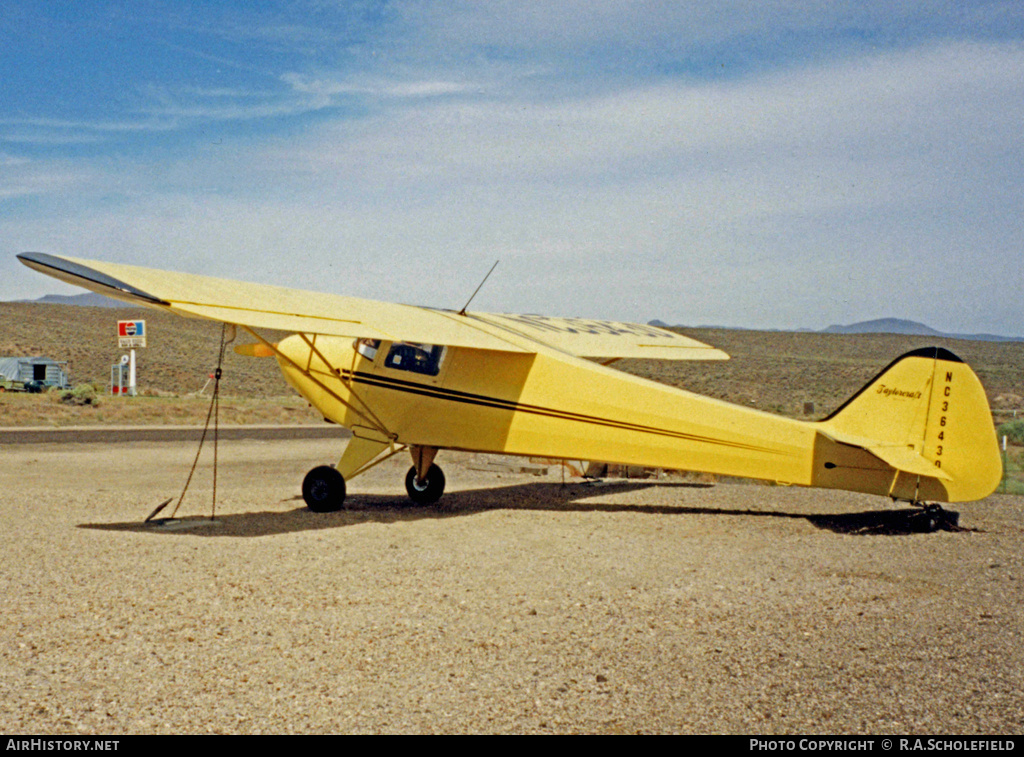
283, 309
265, 306
604, 340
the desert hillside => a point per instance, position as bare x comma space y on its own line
775, 371
180, 355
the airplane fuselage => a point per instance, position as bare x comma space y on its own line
550, 404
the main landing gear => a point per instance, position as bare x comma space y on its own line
323, 488
428, 490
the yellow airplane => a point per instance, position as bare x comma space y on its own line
421, 379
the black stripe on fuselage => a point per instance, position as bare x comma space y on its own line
480, 400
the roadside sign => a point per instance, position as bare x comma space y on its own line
131, 334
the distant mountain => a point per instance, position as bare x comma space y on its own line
880, 326
913, 328
663, 325
89, 299
885, 326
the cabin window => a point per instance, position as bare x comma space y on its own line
416, 358
367, 348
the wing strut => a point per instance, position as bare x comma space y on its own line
377, 423
368, 415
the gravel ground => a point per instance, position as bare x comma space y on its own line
519, 606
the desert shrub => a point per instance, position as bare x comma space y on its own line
1013, 431
83, 394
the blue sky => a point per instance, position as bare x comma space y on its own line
757, 164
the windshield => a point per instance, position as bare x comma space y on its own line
416, 358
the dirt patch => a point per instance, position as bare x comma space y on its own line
519, 605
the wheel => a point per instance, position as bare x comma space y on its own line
427, 492
323, 489
934, 517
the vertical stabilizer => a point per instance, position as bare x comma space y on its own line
926, 416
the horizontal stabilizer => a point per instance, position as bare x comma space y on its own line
908, 461
902, 458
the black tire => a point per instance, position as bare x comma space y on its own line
430, 490
323, 489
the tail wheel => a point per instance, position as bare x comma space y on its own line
429, 490
934, 517
323, 489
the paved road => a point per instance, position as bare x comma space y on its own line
120, 434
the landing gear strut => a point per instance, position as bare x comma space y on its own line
428, 490
323, 489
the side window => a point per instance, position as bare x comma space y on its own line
367, 348
415, 358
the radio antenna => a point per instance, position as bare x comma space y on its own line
463, 311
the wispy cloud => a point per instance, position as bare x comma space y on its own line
12, 160
50, 126
23, 178
327, 88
